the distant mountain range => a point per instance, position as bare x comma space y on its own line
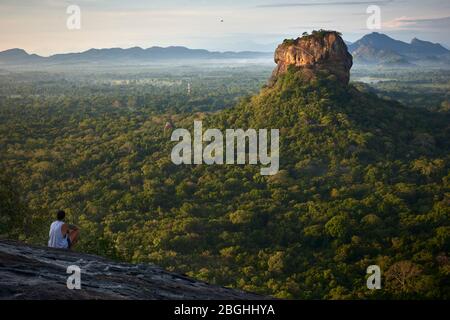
134, 55
372, 49
379, 49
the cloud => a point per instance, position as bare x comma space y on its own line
330, 3
410, 23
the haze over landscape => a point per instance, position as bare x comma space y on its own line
256, 25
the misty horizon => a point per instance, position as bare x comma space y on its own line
39, 27
196, 48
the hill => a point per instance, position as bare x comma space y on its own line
372, 49
362, 181
135, 55
379, 49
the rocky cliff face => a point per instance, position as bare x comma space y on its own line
320, 51
29, 272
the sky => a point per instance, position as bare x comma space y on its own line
40, 26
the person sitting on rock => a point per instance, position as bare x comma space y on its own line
62, 235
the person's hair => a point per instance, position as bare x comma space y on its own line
60, 215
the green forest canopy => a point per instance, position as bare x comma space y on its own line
362, 181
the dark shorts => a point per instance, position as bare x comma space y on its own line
69, 244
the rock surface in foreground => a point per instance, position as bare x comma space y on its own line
29, 272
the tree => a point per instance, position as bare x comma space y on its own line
402, 277
13, 213
338, 226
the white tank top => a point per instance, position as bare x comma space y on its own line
56, 238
